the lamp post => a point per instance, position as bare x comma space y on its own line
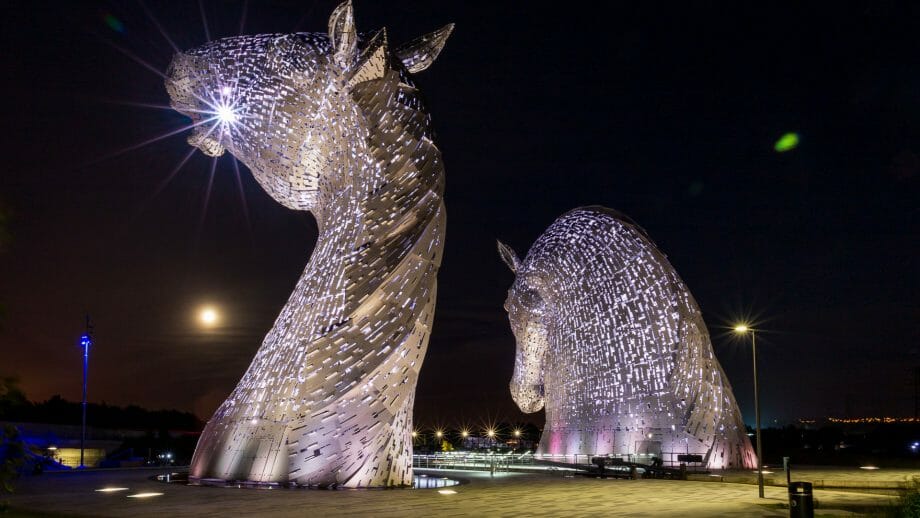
85, 341
743, 329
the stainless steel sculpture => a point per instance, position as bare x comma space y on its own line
330, 123
611, 342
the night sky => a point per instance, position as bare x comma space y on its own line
666, 112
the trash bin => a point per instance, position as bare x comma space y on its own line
801, 501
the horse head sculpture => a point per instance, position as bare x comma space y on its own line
330, 123
527, 312
611, 343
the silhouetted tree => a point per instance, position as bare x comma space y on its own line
12, 449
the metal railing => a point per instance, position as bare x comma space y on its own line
668, 459
473, 461
507, 461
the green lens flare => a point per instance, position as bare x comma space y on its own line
787, 142
114, 23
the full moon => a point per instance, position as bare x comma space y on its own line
208, 316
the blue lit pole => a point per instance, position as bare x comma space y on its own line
85, 341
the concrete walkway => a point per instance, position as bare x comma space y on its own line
505, 494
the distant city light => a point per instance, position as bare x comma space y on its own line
447, 492
865, 420
491, 433
414, 433
144, 495
111, 489
465, 433
869, 467
517, 433
787, 142
439, 434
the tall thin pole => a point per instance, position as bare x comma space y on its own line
757, 417
917, 392
85, 342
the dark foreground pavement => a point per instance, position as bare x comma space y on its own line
511, 495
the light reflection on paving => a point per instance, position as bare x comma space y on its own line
505, 495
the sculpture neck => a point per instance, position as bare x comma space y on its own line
383, 195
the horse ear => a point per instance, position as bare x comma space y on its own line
421, 52
373, 62
342, 34
508, 255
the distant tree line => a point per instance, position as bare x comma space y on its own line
840, 444
15, 407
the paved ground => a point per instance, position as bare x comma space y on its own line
511, 495
826, 477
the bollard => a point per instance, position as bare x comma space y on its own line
801, 501
788, 469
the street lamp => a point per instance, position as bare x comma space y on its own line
742, 329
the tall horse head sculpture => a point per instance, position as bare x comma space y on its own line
612, 344
334, 124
